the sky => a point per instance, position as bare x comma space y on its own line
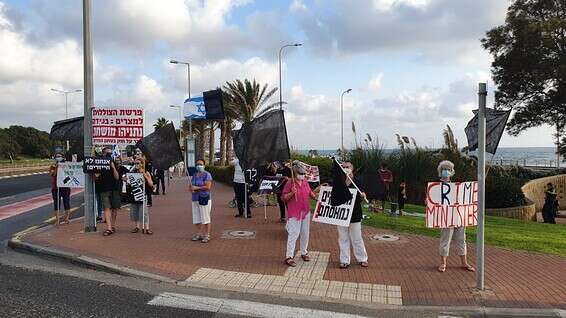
413, 65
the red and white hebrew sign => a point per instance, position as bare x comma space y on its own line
117, 126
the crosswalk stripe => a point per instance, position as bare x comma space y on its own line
239, 307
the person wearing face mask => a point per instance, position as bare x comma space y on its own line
110, 193
59, 194
296, 194
458, 234
352, 235
201, 182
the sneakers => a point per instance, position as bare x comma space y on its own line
196, 238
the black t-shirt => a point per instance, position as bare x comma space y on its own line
106, 181
357, 212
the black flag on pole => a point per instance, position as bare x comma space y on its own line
340, 193
162, 147
495, 121
68, 129
261, 141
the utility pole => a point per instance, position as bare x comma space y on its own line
480, 274
90, 218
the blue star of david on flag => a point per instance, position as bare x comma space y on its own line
194, 108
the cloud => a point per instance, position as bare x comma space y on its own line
437, 30
374, 84
297, 6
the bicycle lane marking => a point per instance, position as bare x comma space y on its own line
13, 209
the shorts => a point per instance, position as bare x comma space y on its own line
64, 195
201, 213
111, 199
401, 203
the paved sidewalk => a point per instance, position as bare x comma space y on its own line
400, 272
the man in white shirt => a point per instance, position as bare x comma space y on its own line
240, 188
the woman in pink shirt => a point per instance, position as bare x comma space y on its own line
297, 195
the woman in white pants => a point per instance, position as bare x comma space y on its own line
297, 193
458, 234
352, 235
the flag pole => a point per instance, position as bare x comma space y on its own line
347, 176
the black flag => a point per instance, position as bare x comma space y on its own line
68, 129
162, 147
214, 105
340, 192
495, 121
261, 141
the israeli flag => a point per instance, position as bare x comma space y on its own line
194, 108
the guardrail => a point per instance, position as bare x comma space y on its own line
540, 163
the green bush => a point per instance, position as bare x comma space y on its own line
504, 192
222, 174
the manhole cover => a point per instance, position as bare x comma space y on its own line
385, 237
238, 234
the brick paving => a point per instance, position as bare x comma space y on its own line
513, 278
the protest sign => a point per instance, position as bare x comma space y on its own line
250, 176
91, 164
117, 126
70, 175
136, 183
268, 186
334, 215
451, 204
312, 173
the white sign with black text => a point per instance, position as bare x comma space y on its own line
335, 215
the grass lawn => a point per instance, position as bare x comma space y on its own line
6, 162
503, 232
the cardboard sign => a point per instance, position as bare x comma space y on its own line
451, 204
268, 186
70, 175
136, 182
312, 173
335, 215
117, 126
92, 164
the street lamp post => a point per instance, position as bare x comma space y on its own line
188, 88
342, 120
280, 88
66, 103
180, 120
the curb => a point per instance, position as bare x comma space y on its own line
17, 244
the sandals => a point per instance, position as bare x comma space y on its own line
205, 239
469, 268
136, 230
196, 237
442, 268
107, 233
344, 265
306, 258
147, 231
290, 262
363, 264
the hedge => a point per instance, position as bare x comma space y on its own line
223, 174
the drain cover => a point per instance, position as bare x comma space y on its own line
241, 233
238, 234
385, 237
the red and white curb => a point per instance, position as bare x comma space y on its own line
22, 175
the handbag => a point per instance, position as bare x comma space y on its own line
203, 199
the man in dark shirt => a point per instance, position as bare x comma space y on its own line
280, 170
110, 196
160, 176
385, 179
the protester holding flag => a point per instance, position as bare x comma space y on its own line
138, 212
445, 172
296, 194
353, 233
201, 182
59, 194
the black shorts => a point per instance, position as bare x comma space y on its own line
65, 195
401, 203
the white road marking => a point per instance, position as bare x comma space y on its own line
22, 175
239, 307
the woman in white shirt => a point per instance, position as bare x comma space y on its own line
239, 183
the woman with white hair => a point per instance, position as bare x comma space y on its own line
297, 194
445, 172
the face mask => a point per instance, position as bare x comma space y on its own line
200, 168
445, 174
59, 159
348, 170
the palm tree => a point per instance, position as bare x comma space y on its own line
249, 99
161, 122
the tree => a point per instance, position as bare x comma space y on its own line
160, 123
248, 99
529, 66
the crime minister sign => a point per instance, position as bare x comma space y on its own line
451, 204
117, 126
335, 215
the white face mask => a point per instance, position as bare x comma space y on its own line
348, 171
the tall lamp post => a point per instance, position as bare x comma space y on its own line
188, 87
342, 120
90, 218
66, 102
280, 88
